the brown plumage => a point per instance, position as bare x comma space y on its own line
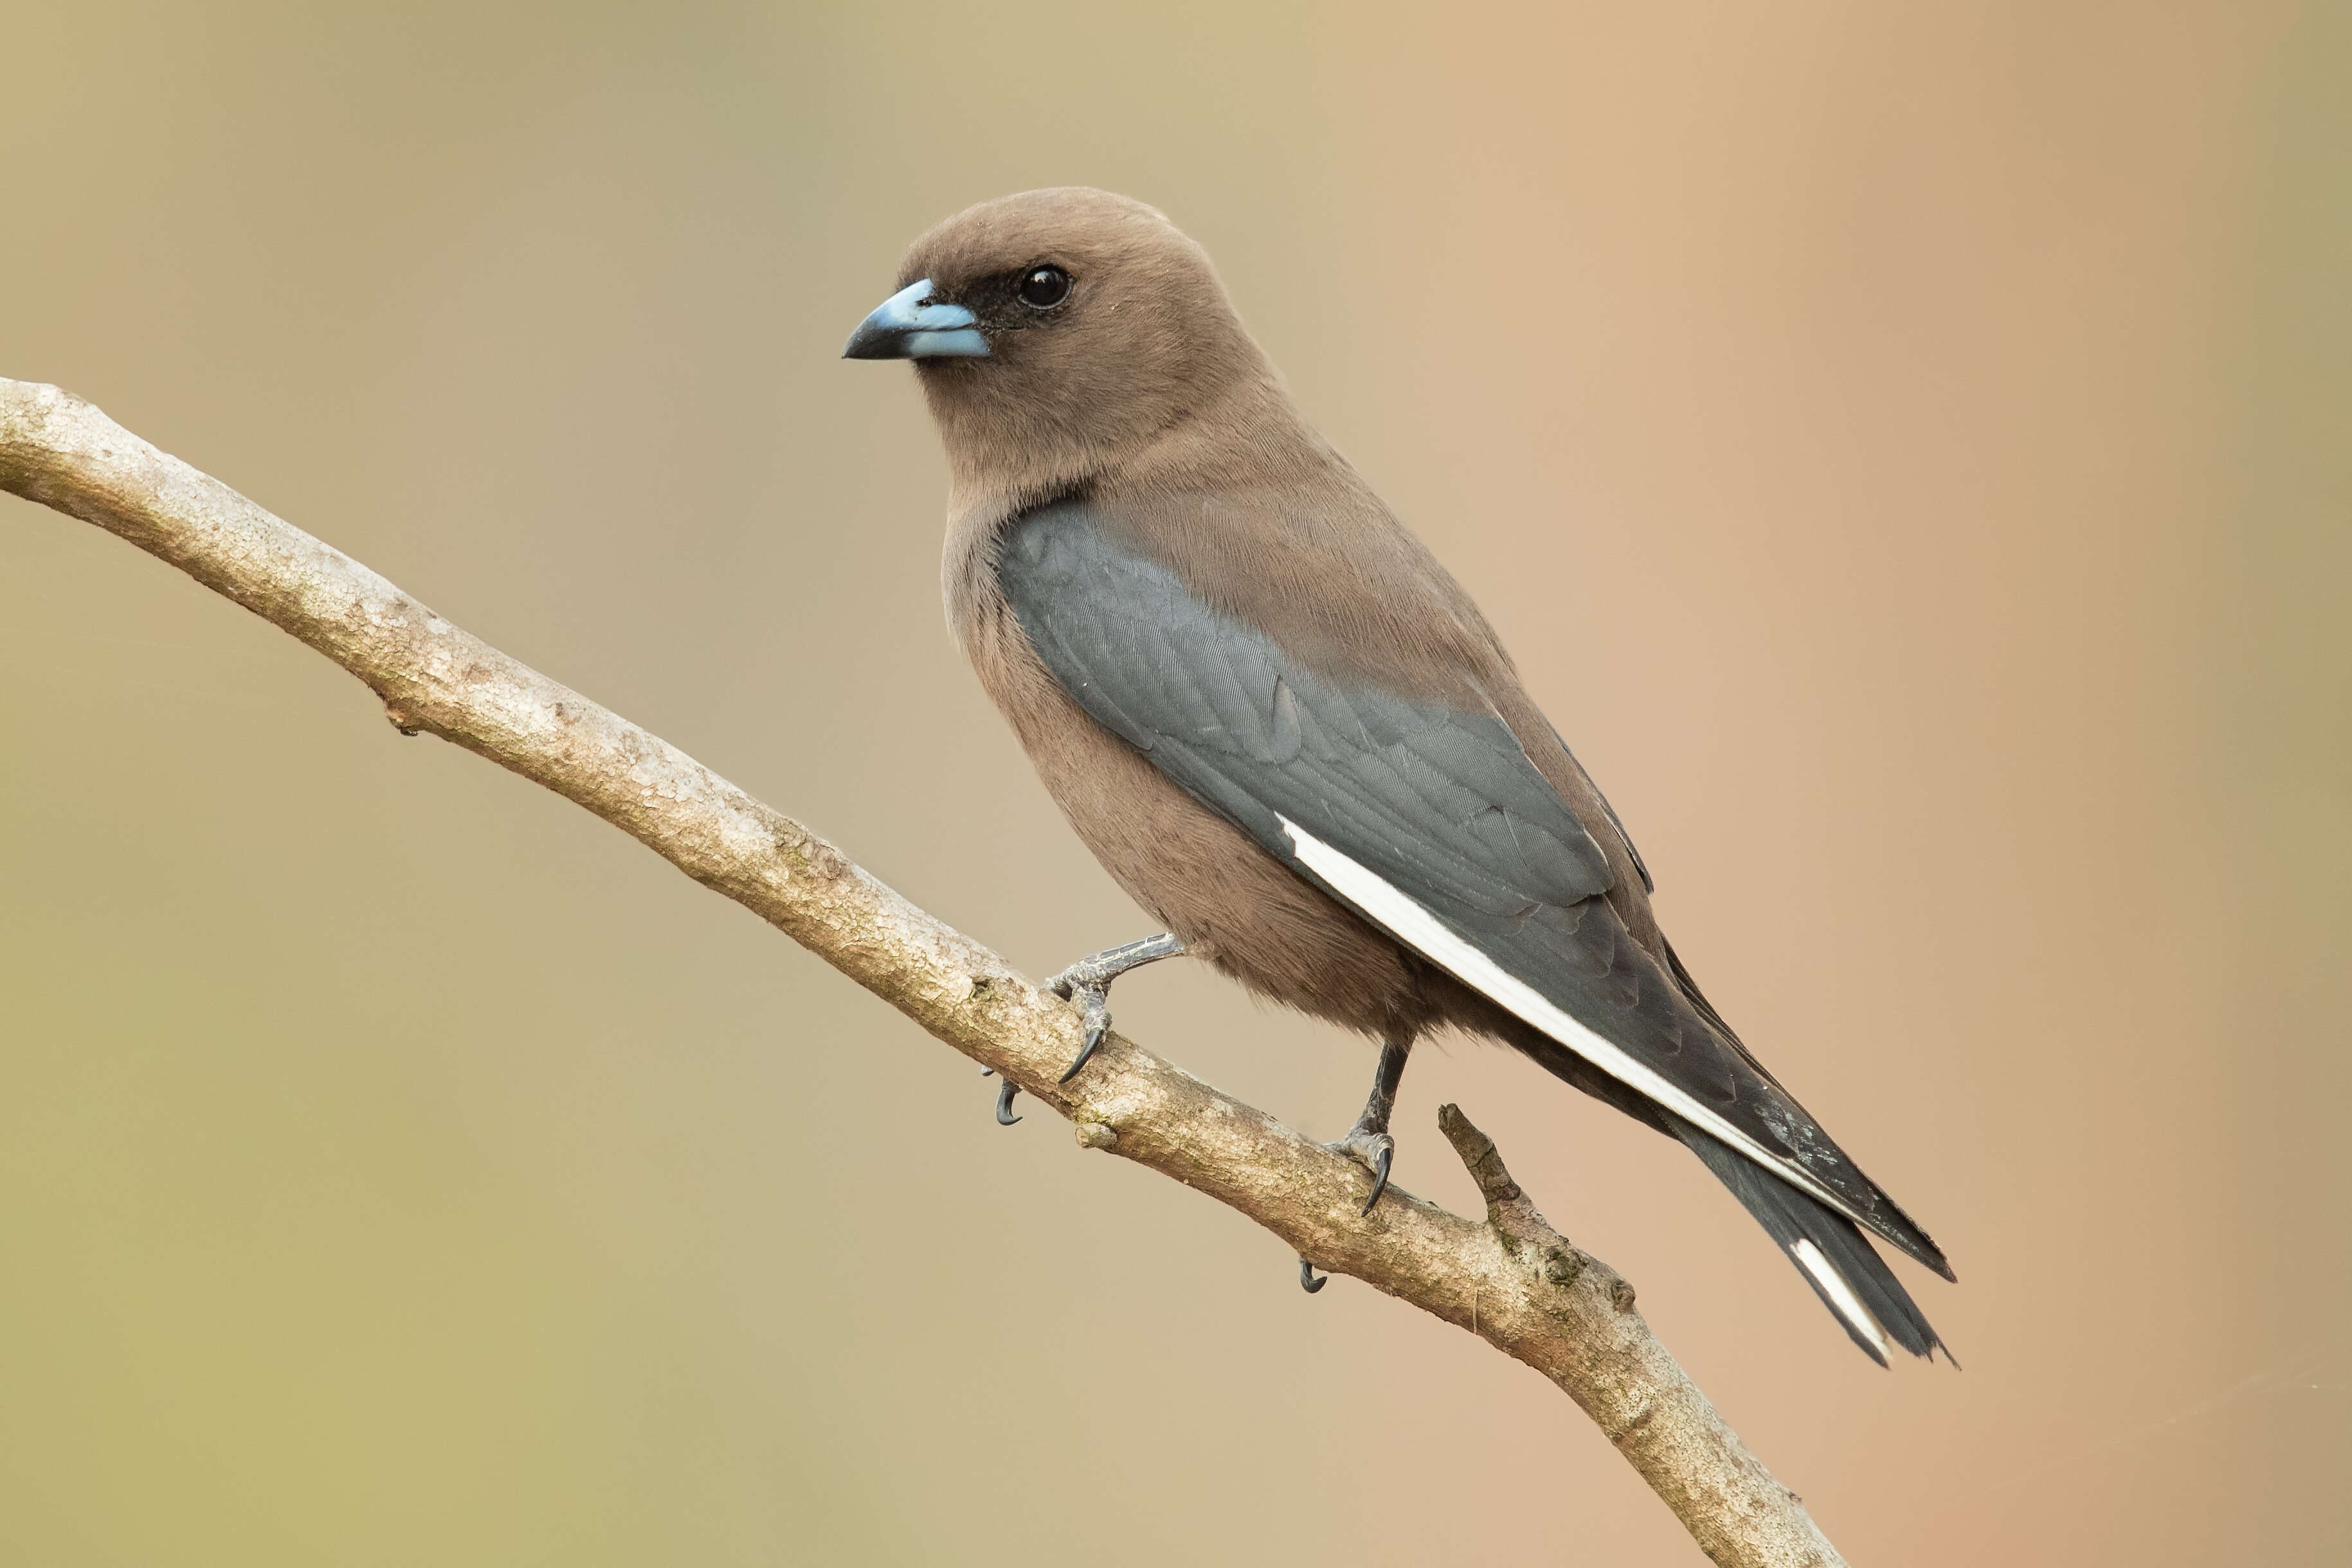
1173, 498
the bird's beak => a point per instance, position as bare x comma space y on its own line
904, 327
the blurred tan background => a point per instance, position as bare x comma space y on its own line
1937, 415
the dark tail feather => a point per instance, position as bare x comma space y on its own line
1822, 1242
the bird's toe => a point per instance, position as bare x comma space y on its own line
1095, 1001
1376, 1152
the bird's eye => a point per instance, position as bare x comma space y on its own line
1043, 287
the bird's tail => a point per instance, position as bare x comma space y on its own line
1828, 1250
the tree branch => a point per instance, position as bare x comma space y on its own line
1512, 1281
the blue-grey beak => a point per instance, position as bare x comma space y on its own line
904, 327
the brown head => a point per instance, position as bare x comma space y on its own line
1060, 335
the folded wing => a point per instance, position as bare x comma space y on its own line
1427, 819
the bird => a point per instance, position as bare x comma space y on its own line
1290, 736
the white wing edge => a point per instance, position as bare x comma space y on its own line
1840, 1294
1409, 923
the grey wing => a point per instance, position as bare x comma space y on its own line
1429, 819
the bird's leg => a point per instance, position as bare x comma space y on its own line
1368, 1141
1087, 983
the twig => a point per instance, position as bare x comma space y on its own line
1512, 1281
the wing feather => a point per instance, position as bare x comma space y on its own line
1428, 819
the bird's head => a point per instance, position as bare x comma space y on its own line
1056, 332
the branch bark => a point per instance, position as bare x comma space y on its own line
1511, 1279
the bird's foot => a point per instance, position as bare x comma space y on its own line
1087, 983
1375, 1150
1372, 1149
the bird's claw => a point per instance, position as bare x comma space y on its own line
1376, 1152
1004, 1116
1095, 999
1308, 1280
